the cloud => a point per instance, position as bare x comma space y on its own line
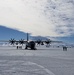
62, 16
39, 17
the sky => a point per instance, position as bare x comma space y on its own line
53, 18
8, 33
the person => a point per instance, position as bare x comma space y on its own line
64, 48
17, 47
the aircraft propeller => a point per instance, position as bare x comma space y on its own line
12, 41
21, 41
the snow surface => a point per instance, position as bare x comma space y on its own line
43, 61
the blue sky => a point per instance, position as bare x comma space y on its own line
53, 18
8, 33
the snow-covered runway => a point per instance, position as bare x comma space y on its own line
44, 61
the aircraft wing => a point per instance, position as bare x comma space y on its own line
47, 41
12, 41
4, 40
56, 41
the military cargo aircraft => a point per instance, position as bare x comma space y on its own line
29, 44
